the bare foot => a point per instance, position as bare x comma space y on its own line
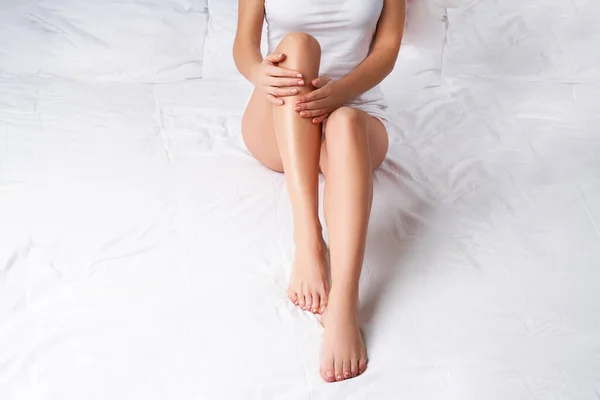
309, 283
343, 354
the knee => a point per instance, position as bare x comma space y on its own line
346, 126
303, 41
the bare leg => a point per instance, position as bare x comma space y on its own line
281, 140
299, 144
355, 144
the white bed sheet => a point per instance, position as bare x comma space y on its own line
145, 254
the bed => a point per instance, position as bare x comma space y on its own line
144, 254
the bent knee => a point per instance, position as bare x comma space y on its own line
347, 117
301, 40
346, 126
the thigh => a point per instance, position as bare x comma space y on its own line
258, 132
377, 135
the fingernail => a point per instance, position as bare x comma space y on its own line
298, 102
280, 55
294, 91
329, 374
300, 83
280, 102
303, 114
299, 76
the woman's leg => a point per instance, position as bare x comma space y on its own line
299, 143
296, 150
355, 144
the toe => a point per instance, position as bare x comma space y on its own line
315, 303
339, 370
327, 369
293, 297
322, 303
347, 368
328, 375
354, 367
301, 301
307, 302
362, 365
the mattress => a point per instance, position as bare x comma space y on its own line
144, 254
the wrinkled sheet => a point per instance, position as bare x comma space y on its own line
144, 254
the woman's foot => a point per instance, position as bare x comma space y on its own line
309, 283
343, 354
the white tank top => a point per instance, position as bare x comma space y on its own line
345, 30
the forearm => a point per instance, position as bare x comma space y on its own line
378, 64
247, 56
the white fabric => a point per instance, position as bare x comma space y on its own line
108, 40
144, 254
218, 50
345, 31
538, 43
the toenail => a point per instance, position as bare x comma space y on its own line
329, 374
339, 377
314, 310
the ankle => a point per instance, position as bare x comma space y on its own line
309, 237
344, 295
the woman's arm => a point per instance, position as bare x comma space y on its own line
265, 74
246, 47
384, 52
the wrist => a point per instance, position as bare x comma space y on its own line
343, 91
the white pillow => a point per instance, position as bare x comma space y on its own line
550, 40
131, 40
218, 50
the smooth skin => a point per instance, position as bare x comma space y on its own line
282, 128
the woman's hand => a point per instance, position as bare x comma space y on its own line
275, 81
322, 101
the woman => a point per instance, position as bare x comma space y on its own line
316, 105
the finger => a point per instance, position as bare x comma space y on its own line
275, 100
283, 72
312, 96
320, 82
283, 92
275, 57
313, 113
313, 105
284, 82
319, 120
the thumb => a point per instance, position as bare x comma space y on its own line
320, 82
275, 57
